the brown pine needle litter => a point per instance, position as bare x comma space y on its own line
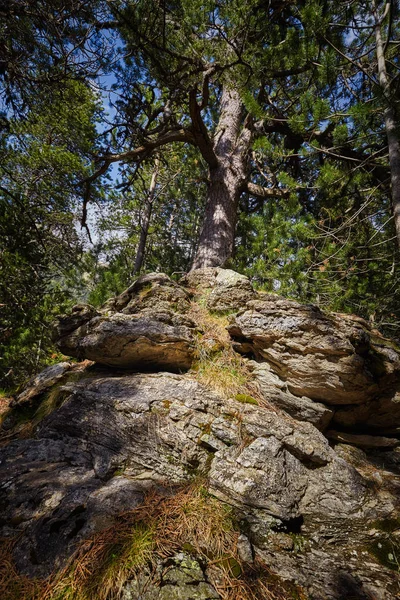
185, 519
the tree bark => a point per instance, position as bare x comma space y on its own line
145, 221
227, 178
390, 126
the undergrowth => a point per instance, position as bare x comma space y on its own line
189, 520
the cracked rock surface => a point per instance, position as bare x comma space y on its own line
116, 436
321, 513
322, 368
139, 329
182, 579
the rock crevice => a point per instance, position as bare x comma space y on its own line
313, 475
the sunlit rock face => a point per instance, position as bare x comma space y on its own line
228, 291
321, 367
143, 328
312, 472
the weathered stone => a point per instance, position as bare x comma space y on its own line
293, 488
156, 291
245, 549
315, 514
42, 382
182, 578
319, 356
363, 441
161, 341
301, 408
108, 425
139, 328
229, 290
149, 290
201, 279
116, 437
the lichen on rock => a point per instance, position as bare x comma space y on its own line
140, 329
299, 490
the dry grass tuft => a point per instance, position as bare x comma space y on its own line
189, 520
218, 366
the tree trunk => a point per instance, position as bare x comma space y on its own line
226, 181
145, 221
390, 126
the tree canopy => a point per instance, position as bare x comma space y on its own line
261, 135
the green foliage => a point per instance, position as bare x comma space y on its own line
43, 157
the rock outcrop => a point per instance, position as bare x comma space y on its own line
227, 290
310, 360
139, 329
321, 513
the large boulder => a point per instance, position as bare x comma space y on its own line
322, 368
329, 359
140, 329
116, 436
112, 439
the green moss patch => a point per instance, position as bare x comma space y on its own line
246, 399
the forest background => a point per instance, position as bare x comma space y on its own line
149, 135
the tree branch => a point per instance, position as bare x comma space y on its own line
176, 135
258, 191
135, 155
201, 137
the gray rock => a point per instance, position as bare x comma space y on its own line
141, 328
201, 279
293, 490
315, 515
319, 356
161, 341
230, 291
42, 382
95, 456
275, 391
148, 291
116, 437
245, 549
182, 578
